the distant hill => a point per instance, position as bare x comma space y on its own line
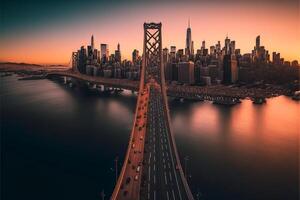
14, 63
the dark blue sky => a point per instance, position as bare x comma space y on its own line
29, 14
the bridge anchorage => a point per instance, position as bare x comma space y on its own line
151, 168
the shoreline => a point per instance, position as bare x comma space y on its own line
241, 91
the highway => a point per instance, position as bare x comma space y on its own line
161, 177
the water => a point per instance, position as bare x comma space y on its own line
61, 143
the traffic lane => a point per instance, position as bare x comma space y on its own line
132, 170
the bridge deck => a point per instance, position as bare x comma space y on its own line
161, 175
128, 186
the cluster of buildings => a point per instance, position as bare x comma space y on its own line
206, 66
94, 62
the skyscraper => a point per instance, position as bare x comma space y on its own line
104, 52
173, 54
257, 43
188, 45
186, 72
118, 54
92, 42
227, 45
135, 56
230, 70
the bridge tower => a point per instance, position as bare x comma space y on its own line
152, 54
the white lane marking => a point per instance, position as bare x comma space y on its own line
154, 193
154, 178
168, 195
166, 181
173, 194
170, 176
149, 173
174, 170
148, 190
154, 167
149, 158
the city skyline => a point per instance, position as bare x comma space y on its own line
62, 38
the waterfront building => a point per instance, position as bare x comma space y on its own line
230, 69
186, 72
213, 72
174, 71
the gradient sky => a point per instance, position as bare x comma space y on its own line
46, 32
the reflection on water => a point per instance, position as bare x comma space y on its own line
60, 143
242, 152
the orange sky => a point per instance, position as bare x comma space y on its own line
53, 44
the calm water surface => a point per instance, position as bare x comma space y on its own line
60, 143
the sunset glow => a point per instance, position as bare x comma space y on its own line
53, 41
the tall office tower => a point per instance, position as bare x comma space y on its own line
95, 55
82, 57
180, 55
186, 72
165, 60
92, 42
276, 58
104, 52
230, 70
227, 45
237, 51
118, 54
212, 50
165, 55
232, 47
218, 47
173, 54
202, 47
135, 56
192, 51
75, 61
203, 44
257, 43
90, 53
188, 45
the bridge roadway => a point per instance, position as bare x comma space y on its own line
128, 185
161, 175
179, 91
